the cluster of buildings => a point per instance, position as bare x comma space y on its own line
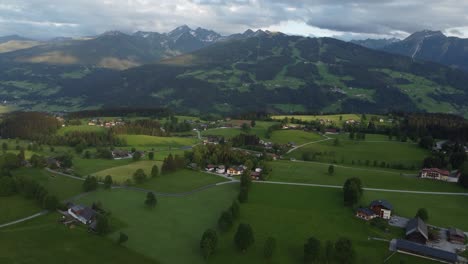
118, 154
233, 170
377, 208
417, 235
438, 174
108, 124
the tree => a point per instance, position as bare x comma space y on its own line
249, 164
90, 184
246, 180
331, 169
336, 142
423, 214
344, 251
102, 224
7, 186
50, 202
463, 180
426, 142
4, 146
154, 171
225, 221
253, 123
352, 191
235, 210
244, 237
311, 250
329, 251
245, 128
122, 238
151, 155
136, 156
243, 196
208, 243
108, 182
139, 176
269, 248
150, 200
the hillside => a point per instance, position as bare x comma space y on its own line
284, 73
114, 49
426, 46
268, 71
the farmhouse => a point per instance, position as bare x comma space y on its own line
434, 173
416, 231
237, 170
53, 163
221, 169
83, 214
366, 214
456, 236
121, 154
255, 175
382, 208
210, 168
415, 249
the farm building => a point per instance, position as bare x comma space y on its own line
415, 249
382, 208
366, 214
237, 170
121, 154
221, 169
456, 236
434, 173
416, 231
82, 213
210, 167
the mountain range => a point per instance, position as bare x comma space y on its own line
200, 71
427, 46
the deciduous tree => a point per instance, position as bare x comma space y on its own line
244, 237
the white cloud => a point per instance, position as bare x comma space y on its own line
347, 18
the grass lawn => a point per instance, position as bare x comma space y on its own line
139, 141
292, 214
44, 240
347, 151
181, 181
81, 128
170, 232
444, 211
260, 130
61, 186
121, 173
86, 167
308, 172
16, 207
299, 137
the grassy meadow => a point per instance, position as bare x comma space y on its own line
122, 173
143, 141
299, 137
16, 207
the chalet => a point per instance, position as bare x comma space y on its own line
456, 236
382, 208
366, 214
238, 170
416, 231
415, 249
53, 163
83, 214
210, 168
434, 173
221, 169
255, 175
121, 154
211, 140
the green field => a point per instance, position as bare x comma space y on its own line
292, 214
317, 173
260, 130
332, 118
121, 173
16, 207
360, 152
299, 137
143, 141
86, 167
181, 181
44, 240
171, 231
81, 128
60, 186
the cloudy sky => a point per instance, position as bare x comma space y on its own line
338, 18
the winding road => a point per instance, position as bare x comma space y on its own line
309, 143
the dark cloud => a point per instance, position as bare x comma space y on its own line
47, 18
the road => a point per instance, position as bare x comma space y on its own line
24, 219
367, 189
308, 143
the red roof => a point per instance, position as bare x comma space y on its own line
436, 170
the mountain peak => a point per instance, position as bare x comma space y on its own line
425, 34
113, 33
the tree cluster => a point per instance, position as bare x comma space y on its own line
172, 164
352, 191
341, 251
